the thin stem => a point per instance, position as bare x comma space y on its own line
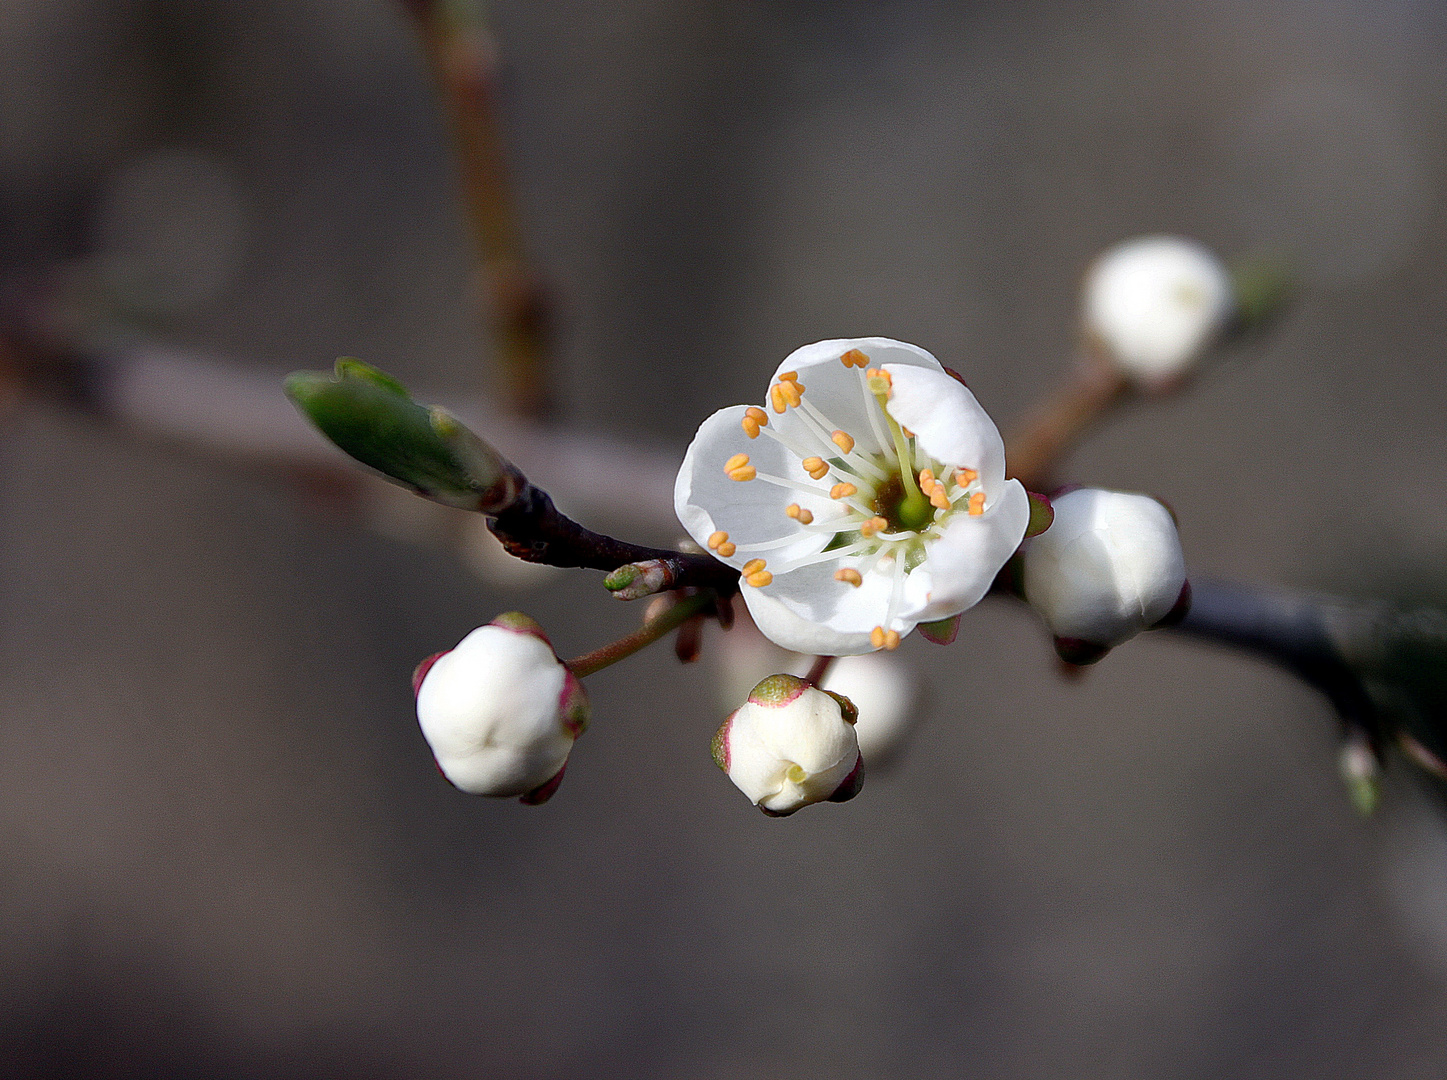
646, 635
819, 668
462, 53
1035, 448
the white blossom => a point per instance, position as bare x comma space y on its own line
790, 745
1109, 567
867, 496
1156, 304
500, 711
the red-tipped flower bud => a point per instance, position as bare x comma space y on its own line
501, 711
790, 745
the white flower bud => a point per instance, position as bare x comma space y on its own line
886, 696
790, 745
501, 711
1156, 304
1109, 567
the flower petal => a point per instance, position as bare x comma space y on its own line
751, 512
753, 767
808, 611
787, 624
960, 566
838, 391
948, 423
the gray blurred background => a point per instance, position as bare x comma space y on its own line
224, 850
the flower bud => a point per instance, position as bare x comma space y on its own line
887, 697
1109, 567
501, 711
790, 745
1156, 304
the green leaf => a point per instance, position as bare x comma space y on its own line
369, 414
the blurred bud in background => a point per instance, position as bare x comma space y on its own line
790, 745
1154, 305
1109, 567
887, 698
501, 711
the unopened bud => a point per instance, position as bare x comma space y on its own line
501, 711
789, 745
634, 581
1155, 304
369, 414
1109, 567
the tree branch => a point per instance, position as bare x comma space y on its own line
1287, 630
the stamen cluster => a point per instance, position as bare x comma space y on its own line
879, 463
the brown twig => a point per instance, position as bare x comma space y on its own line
462, 55
533, 529
1035, 448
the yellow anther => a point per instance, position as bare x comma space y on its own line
750, 426
727, 549
842, 490
791, 392
878, 380
738, 461
753, 566
776, 398
876, 637
793, 510
891, 640
908, 434
816, 467
855, 358
977, 504
926, 479
850, 575
938, 499
757, 415
789, 376
872, 526
843, 440
759, 578
966, 476
747, 472
717, 538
